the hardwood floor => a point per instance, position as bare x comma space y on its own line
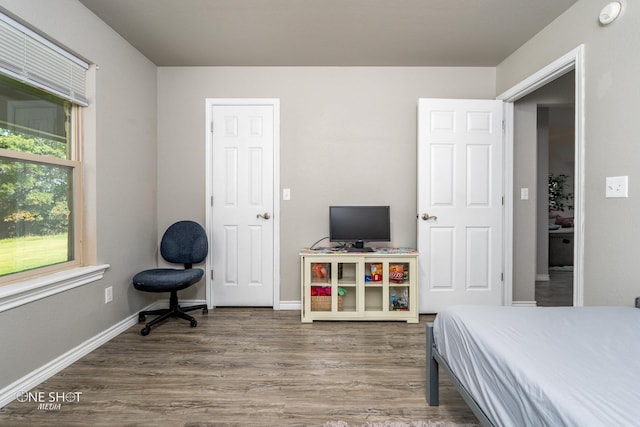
556, 292
248, 367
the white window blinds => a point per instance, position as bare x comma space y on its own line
30, 58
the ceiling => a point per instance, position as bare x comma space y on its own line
327, 32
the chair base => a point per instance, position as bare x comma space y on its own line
174, 310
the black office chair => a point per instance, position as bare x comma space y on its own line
185, 242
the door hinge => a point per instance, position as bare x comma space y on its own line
212, 126
211, 201
503, 126
502, 200
502, 277
211, 274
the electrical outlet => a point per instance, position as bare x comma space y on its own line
108, 295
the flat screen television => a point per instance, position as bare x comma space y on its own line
359, 224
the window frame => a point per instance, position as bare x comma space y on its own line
77, 213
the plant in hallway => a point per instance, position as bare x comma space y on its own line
559, 198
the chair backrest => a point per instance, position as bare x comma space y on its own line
184, 242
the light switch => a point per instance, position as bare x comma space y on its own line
617, 186
286, 194
524, 194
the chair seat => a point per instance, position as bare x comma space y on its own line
166, 279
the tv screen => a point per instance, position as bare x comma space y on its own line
359, 224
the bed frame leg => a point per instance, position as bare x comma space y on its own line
432, 389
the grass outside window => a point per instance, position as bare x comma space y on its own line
27, 253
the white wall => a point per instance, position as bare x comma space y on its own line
120, 172
612, 67
348, 136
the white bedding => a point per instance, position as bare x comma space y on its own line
546, 366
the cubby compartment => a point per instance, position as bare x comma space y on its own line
350, 298
373, 272
399, 272
373, 298
399, 298
347, 273
320, 273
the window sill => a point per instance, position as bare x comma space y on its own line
16, 294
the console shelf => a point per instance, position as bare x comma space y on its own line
378, 285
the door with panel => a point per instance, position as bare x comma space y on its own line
460, 202
242, 212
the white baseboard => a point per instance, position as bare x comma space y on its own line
543, 278
524, 304
38, 376
290, 305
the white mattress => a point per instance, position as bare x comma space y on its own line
546, 366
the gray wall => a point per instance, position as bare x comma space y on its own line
120, 175
348, 136
612, 67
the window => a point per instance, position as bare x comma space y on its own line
40, 180
42, 92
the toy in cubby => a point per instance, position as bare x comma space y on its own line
321, 272
374, 274
398, 273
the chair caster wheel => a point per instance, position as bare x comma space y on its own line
205, 310
142, 318
194, 323
145, 331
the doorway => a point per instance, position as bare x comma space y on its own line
544, 170
520, 266
242, 154
555, 202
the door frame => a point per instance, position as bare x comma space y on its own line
573, 60
275, 103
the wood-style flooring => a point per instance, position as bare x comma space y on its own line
249, 367
557, 292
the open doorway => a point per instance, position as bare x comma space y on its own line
544, 170
555, 204
521, 242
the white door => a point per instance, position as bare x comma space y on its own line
243, 209
460, 202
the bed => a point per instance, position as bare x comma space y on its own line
540, 366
